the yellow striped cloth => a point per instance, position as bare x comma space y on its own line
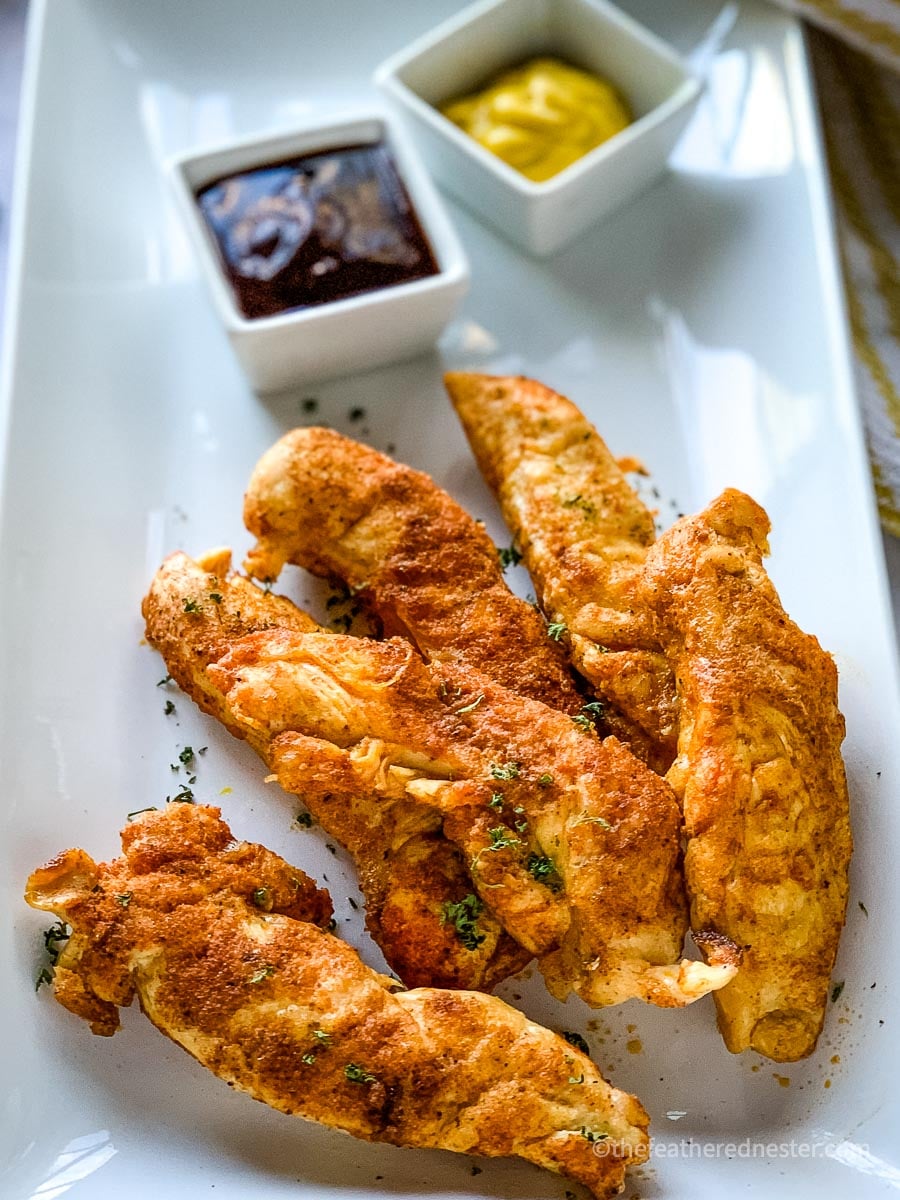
858, 81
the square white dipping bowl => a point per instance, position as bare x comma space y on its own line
340, 336
471, 49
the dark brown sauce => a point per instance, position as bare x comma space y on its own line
316, 228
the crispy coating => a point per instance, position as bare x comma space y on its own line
576, 850
584, 534
221, 942
417, 560
759, 772
408, 870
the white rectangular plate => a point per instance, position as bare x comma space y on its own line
703, 331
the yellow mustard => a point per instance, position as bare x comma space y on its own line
541, 117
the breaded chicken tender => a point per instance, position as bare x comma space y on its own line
759, 773
407, 551
222, 944
584, 534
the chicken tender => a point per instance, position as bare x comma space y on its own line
223, 946
759, 773
584, 534
412, 877
407, 551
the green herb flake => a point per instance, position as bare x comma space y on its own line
304, 820
863, 908
509, 556
501, 838
836, 992
463, 916
579, 502
43, 976
506, 771
496, 800
590, 1136
183, 796
583, 721
545, 780
322, 1036
262, 897
264, 972
137, 812
586, 820
556, 630
576, 1040
470, 707
169, 709
309, 1058
580, 1079
163, 682
310, 404
186, 756
191, 605
543, 869
216, 597
356, 1074
123, 899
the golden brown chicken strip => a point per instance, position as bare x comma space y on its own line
412, 877
572, 843
418, 561
759, 772
584, 534
222, 945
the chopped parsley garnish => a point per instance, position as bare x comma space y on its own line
586, 820
509, 556
501, 838
543, 869
184, 795
545, 780
309, 1058
353, 904
508, 770
590, 1136
865, 911
191, 606
580, 1078
54, 939
262, 897
304, 820
583, 721
496, 800
836, 991
216, 597
576, 1040
470, 707
321, 1036
556, 630
594, 709
169, 709
137, 812
356, 1074
264, 972
163, 682
123, 899
186, 756
463, 916
579, 501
